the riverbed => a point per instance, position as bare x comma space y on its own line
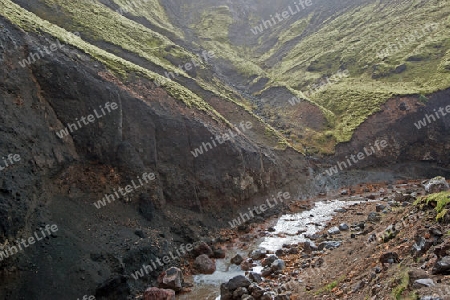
288, 229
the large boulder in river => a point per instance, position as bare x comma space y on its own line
172, 278
154, 293
204, 265
237, 260
257, 254
227, 289
436, 185
268, 260
218, 253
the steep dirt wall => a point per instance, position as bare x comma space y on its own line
396, 123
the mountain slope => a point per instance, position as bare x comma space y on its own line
295, 57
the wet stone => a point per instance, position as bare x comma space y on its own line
343, 227
333, 230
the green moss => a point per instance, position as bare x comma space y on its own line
442, 214
327, 288
213, 29
30, 22
423, 99
152, 10
100, 24
438, 200
294, 31
397, 292
350, 42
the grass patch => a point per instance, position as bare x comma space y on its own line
398, 291
330, 286
327, 288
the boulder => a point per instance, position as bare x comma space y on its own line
154, 293
374, 217
257, 254
400, 197
278, 265
255, 277
268, 260
266, 271
423, 282
380, 207
436, 185
247, 264
171, 278
333, 230
293, 250
204, 265
237, 260
309, 246
218, 253
202, 248
329, 245
389, 257
236, 282
343, 227
257, 291
239, 292
421, 246
225, 292
442, 266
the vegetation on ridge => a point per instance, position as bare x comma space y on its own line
29, 21
437, 200
380, 64
290, 57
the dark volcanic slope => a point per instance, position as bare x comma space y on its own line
57, 180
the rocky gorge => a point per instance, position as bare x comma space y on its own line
381, 241
83, 122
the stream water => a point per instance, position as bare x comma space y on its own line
287, 229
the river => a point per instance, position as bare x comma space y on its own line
287, 228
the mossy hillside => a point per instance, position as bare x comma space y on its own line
437, 200
285, 36
120, 66
354, 43
152, 10
351, 42
227, 94
355, 48
213, 29
100, 24
30, 22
